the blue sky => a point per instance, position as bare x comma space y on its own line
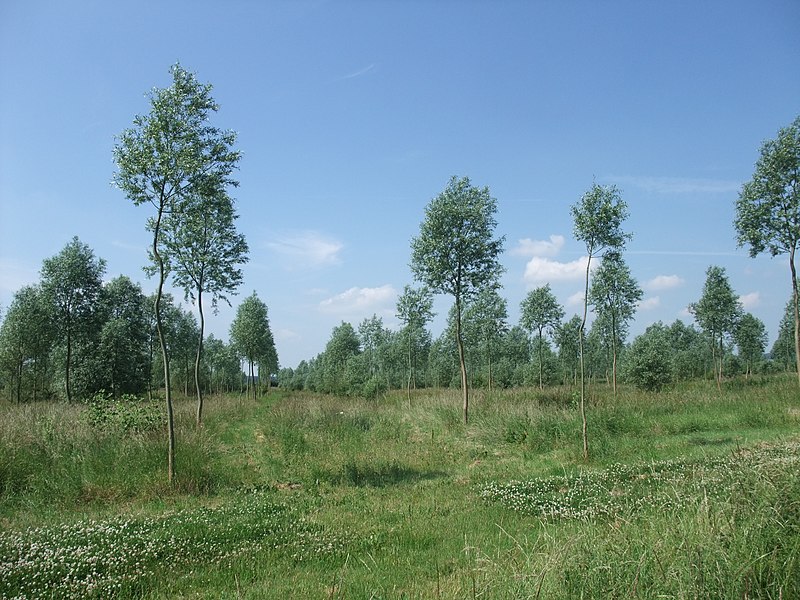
353, 115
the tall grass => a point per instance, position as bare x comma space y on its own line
52, 457
690, 493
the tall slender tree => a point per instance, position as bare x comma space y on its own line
26, 338
456, 252
567, 338
540, 312
252, 338
783, 348
717, 312
335, 362
768, 209
72, 281
751, 339
614, 294
598, 218
205, 252
415, 311
124, 337
487, 316
168, 156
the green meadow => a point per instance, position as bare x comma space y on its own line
688, 493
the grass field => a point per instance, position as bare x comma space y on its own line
690, 493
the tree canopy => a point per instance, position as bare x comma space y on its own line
768, 208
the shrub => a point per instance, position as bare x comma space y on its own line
647, 363
127, 414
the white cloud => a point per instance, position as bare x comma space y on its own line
575, 299
359, 300
285, 335
750, 300
540, 269
529, 247
307, 249
650, 303
664, 282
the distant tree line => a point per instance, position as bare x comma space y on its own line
369, 358
70, 336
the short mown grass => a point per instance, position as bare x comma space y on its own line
691, 493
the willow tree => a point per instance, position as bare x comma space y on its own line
252, 339
415, 310
486, 315
456, 252
169, 156
26, 338
205, 251
614, 294
72, 281
717, 312
598, 218
540, 312
768, 209
751, 339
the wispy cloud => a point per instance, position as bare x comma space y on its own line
359, 301
129, 246
360, 72
664, 282
529, 247
751, 300
307, 249
676, 185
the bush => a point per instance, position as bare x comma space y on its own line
127, 414
647, 363
374, 387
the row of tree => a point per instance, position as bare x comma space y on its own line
457, 253
543, 349
174, 161
72, 336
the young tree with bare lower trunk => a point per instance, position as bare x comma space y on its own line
168, 156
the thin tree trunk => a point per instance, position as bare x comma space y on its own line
410, 369
462, 363
489, 346
68, 362
198, 357
796, 313
19, 384
150, 373
541, 379
614, 354
584, 425
164, 353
